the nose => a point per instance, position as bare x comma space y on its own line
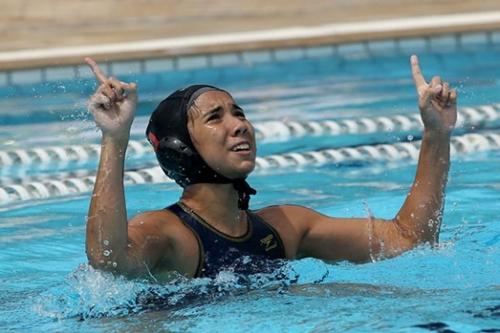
242, 129
238, 126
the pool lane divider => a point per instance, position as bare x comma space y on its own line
467, 143
267, 131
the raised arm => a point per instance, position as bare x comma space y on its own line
421, 214
419, 219
113, 107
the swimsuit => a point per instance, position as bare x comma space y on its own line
253, 252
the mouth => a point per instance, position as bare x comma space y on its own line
241, 147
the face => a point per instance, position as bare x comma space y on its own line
222, 135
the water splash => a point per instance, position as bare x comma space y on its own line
373, 256
89, 293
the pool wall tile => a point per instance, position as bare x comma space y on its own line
125, 68
412, 45
443, 43
319, 51
495, 37
28, 76
192, 62
382, 46
289, 54
159, 65
472, 40
83, 71
59, 73
257, 56
225, 59
352, 50
3, 79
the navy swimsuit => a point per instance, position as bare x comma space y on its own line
253, 252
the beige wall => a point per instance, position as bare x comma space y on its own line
51, 23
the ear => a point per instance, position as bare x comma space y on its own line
153, 140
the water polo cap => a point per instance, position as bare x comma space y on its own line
168, 133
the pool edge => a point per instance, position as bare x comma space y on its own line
255, 40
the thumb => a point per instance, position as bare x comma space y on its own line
131, 90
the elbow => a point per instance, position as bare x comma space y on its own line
414, 234
100, 262
119, 264
104, 261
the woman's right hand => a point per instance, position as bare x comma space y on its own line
113, 105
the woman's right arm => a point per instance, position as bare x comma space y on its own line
113, 107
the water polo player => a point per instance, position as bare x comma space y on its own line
204, 142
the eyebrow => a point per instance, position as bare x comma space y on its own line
213, 110
218, 108
236, 106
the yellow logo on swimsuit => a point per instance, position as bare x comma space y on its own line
268, 242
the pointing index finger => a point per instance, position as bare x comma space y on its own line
418, 78
101, 77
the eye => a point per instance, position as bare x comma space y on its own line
239, 113
213, 116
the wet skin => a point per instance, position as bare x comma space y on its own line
216, 126
155, 243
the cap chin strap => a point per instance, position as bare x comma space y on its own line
244, 192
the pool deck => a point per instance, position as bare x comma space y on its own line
54, 32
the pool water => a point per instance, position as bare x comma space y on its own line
46, 285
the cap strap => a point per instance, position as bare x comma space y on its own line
244, 192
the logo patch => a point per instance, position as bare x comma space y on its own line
268, 242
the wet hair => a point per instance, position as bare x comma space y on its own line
168, 133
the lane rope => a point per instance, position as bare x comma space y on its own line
463, 144
268, 131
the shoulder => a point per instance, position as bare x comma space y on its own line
177, 245
160, 222
293, 215
295, 219
291, 222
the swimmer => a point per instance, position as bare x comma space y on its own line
204, 142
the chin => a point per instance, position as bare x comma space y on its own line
241, 171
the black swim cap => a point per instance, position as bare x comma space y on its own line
168, 133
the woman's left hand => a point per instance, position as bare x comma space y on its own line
436, 101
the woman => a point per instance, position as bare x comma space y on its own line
204, 142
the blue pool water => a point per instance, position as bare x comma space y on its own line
46, 285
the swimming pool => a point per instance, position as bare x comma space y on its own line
47, 286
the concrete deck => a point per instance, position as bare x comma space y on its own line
29, 29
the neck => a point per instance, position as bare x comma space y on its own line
218, 205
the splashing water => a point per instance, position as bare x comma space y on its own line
90, 293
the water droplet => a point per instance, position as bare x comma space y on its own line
115, 264
410, 137
106, 253
106, 242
